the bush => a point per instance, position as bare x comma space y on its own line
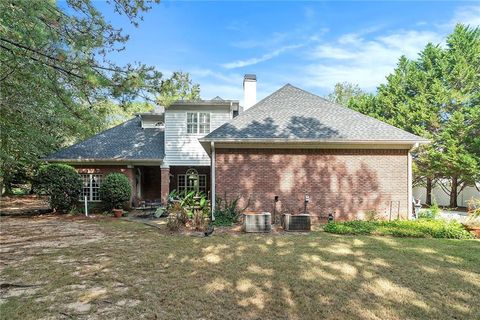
226, 212
401, 228
177, 216
431, 213
115, 190
61, 183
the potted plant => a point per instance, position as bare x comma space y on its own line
118, 213
115, 191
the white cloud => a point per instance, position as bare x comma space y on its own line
469, 15
365, 62
265, 57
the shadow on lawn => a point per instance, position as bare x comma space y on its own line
336, 277
314, 276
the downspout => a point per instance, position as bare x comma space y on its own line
410, 183
212, 178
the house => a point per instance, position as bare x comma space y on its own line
290, 146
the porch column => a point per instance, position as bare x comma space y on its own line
164, 183
131, 177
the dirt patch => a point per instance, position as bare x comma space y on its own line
24, 238
23, 205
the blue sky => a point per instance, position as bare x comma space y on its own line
312, 45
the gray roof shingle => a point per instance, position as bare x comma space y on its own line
293, 114
127, 141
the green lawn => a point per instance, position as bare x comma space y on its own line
115, 269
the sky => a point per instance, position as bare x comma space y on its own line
312, 45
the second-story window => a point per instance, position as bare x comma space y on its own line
204, 123
192, 122
198, 122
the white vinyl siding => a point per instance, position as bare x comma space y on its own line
181, 144
91, 187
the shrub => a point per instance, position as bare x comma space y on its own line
115, 190
177, 216
61, 183
227, 212
401, 228
474, 208
431, 213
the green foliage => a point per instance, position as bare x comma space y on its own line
178, 87
436, 96
431, 213
61, 183
57, 83
227, 212
115, 190
177, 216
344, 92
400, 228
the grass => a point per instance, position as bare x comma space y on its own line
401, 228
114, 269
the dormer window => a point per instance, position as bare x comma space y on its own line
198, 122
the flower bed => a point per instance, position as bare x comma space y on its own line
421, 228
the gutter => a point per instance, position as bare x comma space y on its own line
105, 160
290, 140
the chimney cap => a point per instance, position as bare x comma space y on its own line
250, 77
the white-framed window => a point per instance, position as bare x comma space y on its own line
204, 122
191, 180
91, 187
198, 122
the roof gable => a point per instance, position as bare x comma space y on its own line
293, 114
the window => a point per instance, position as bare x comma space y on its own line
204, 123
191, 180
91, 187
192, 122
198, 122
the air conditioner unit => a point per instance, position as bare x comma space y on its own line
257, 222
297, 222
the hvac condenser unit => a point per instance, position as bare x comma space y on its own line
297, 222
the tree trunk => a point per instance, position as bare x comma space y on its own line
428, 199
454, 193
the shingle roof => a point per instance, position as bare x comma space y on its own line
127, 141
293, 114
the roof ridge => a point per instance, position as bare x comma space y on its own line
338, 105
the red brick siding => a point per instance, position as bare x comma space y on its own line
165, 184
344, 182
104, 170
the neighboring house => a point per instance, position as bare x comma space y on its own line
290, 144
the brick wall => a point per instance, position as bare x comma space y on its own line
104, 170
344, 182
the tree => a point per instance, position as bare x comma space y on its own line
437, 96
178, 87
56, 77
115, 190
344, 92
61, 183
